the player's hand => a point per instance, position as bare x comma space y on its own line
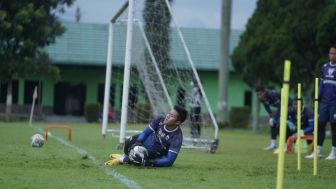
137, 143
291, 125
271, 122
138, 160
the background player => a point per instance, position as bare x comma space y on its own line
327, 104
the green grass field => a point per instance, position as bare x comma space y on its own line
239, 163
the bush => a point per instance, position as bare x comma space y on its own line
92, 112
222, 125
239, 117
143, 112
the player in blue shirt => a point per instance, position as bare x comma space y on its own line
327, 104
271, 99
307, 122
307, 119
162, 139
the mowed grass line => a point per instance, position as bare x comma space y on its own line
239, 163
52, 166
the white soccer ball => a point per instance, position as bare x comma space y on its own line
138, 154
37, 140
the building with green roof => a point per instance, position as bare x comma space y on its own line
81, 52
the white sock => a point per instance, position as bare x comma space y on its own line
319, 149
333, 149
273, 142
121, 159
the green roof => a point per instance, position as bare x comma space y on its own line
86, 44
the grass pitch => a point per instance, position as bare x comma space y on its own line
239, 163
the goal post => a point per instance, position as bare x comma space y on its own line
151, 72
195, 72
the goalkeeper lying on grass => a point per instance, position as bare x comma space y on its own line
158, 145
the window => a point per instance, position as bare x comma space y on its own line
248, 98
101, 89
29, 87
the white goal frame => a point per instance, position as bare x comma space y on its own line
188, 142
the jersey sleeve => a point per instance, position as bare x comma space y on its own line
173, 151
166, 161
176, 144
152, 127
268, 109
320, 87
310, 116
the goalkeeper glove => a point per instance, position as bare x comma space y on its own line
137, 160
137, 143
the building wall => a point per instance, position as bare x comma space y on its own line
236, 91
92, 77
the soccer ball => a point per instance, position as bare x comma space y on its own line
37, 140
138, 154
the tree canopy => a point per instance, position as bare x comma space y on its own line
26, 27
157, 28
300, 30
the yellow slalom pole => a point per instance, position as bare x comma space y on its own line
283, 127
315, 125
298, 132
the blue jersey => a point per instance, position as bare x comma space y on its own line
272, 99
161, 143
307, 119
327, 88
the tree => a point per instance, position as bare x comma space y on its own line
157, 27
224, 65
26, 27
78, 14
300, 30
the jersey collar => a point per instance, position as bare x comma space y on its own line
169, 131
331, 64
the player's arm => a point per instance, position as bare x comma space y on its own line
148, 130
268, 109
166, 161
310, 128
145, 133
320, 88
169, 159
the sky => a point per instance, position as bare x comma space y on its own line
187, 13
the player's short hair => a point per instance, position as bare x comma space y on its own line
182, 113
260, 89
333, 46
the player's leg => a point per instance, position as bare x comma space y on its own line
198, 121
116, 159
274, 130
289, 133
193, 126
129, 142
332, 154
323, 118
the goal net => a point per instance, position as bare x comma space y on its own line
149, 70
